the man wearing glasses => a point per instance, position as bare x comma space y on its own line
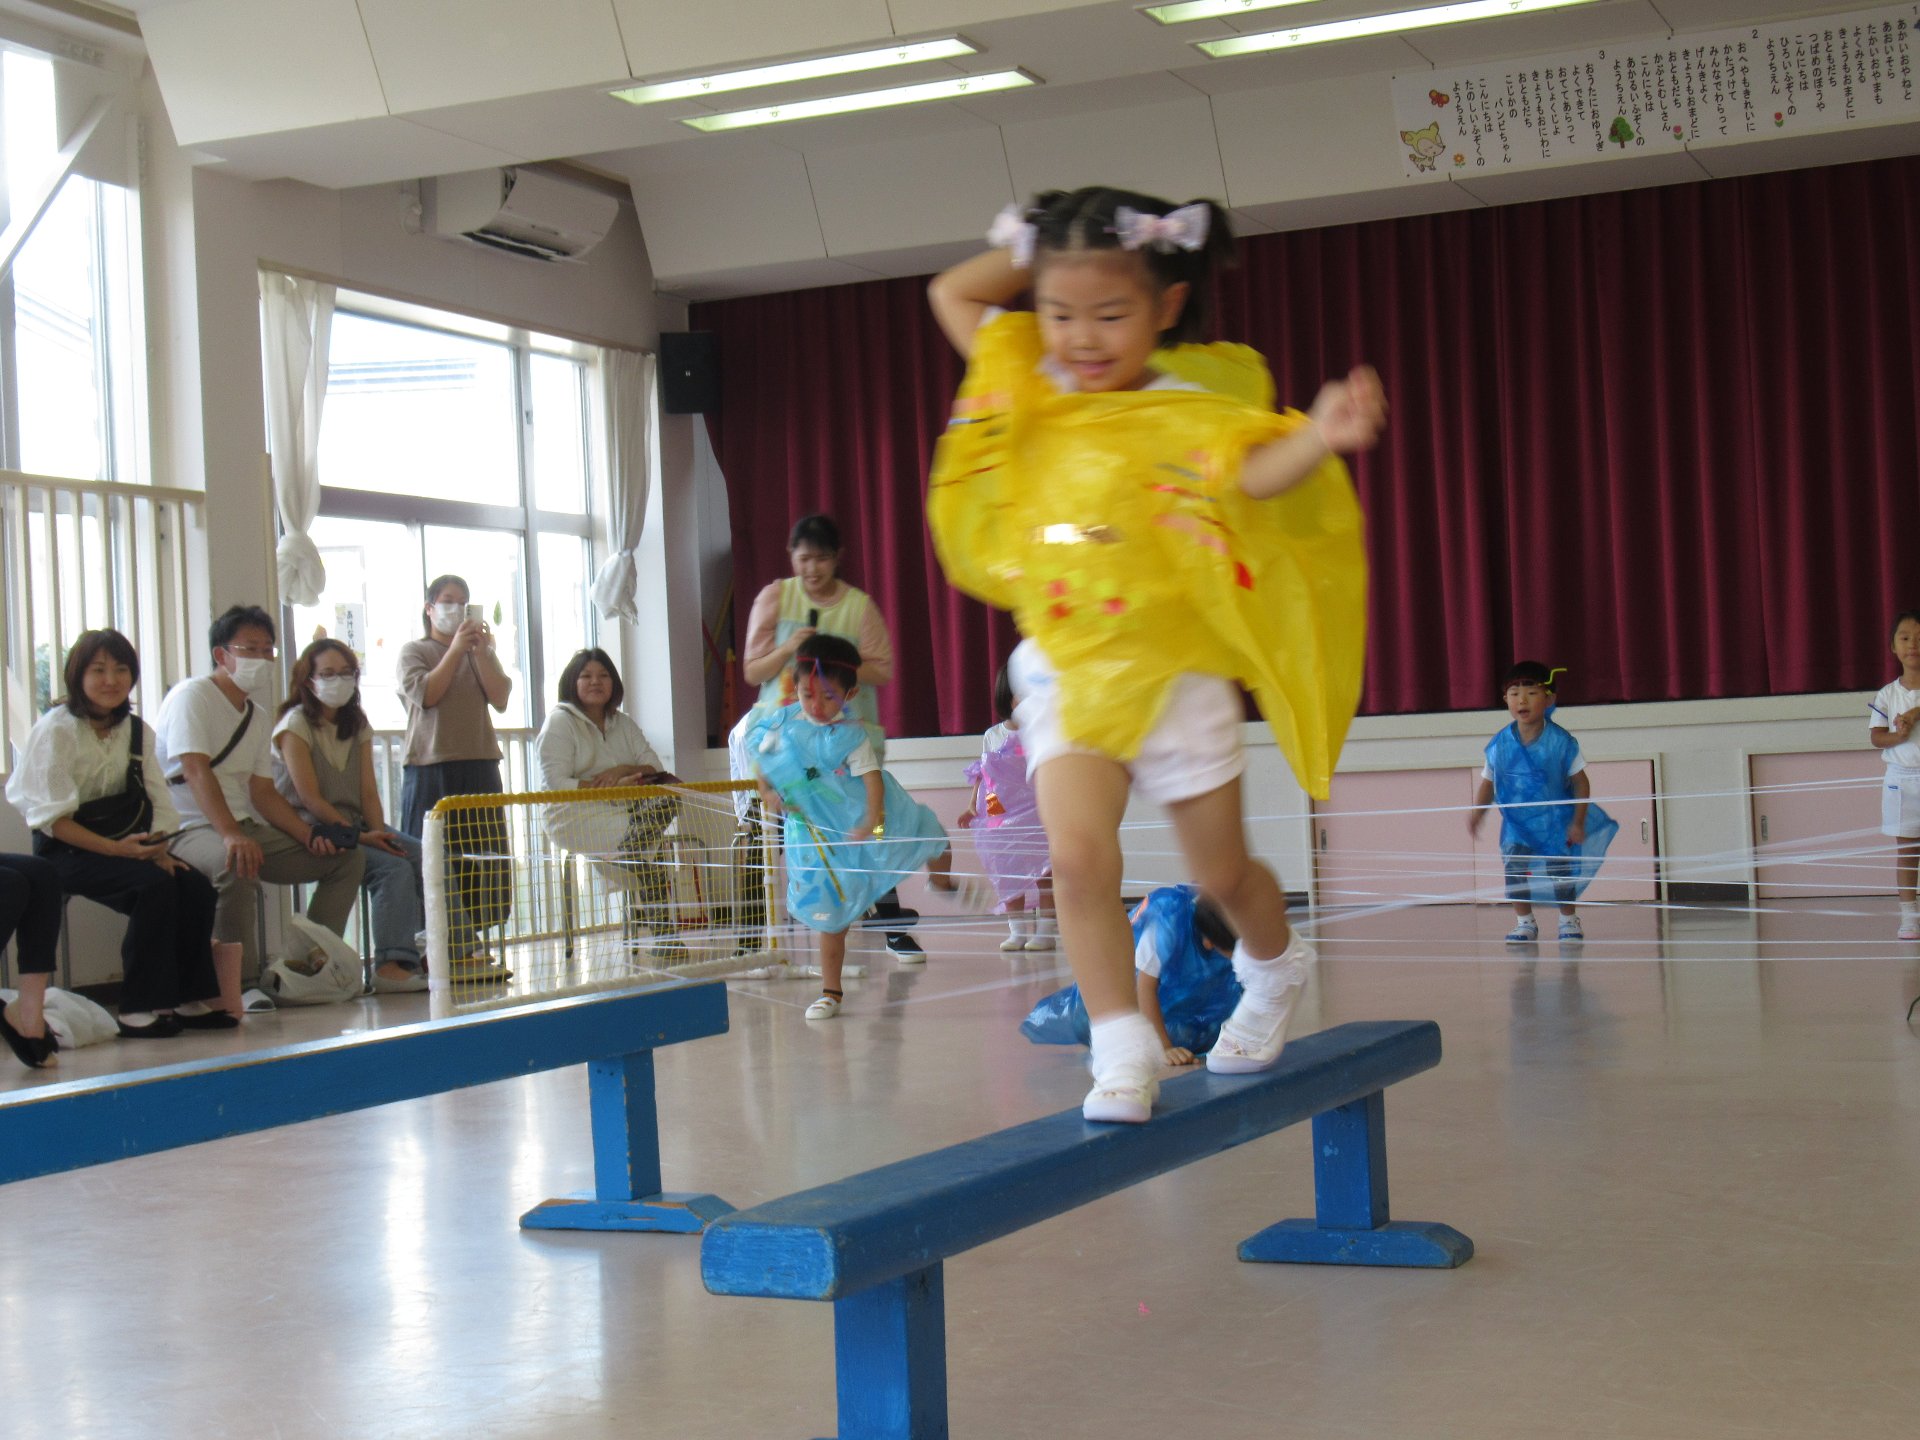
216, 749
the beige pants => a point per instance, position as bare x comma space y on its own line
286, 861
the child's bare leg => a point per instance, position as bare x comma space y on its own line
1271, 963
940, 871
1906, 871
1082, 799
833, 959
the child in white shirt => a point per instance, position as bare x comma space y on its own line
1890, 721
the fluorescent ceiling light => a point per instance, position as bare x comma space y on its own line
698, 85
1378, 25
957, 88
1212, 9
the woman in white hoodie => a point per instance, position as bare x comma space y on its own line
590, 743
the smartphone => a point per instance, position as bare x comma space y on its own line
477, 613
813, 619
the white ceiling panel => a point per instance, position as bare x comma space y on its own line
1096, 43
1048, 102
839, 131
729, 284
1542, 34
915, 16
927, 190
1357, 209
562, 123
1321, 137
356, 152
1726, 14
449, 52
1286, 67
1756, 157
735, 201
917, 259
1590, 177
1166, 149
668, 37
241, 67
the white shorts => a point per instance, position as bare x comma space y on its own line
1193, 749
1900, 803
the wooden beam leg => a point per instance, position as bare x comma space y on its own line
1351, 1224
890, 1359
626, 1162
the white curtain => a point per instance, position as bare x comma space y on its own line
296, 317
623, 415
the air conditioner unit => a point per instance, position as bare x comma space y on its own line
523, 212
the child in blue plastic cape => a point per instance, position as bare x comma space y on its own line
1551, 836
1183, 975
851, 832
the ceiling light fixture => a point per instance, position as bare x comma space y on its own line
1212, 9
958, 88
1390, 24
694, 87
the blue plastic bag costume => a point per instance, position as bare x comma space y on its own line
831, 881
1529, 782
1197, 988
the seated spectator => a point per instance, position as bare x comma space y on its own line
89, 786
589, 743
323, 768
215, 748
30, 910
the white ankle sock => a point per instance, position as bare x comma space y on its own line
1266, 982
1019, 924
1122, 1044
193, 1007
1045, 926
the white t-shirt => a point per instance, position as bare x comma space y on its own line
64, 763
1893, 701
196, 718
326, 739
861, 761
1146, 955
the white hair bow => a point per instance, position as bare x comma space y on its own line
1013, 231
1185, 228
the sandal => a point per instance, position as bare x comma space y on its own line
34, 1050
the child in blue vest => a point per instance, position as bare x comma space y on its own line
851, 832
1183, 977
1552, 837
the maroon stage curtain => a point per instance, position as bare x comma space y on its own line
1665, 438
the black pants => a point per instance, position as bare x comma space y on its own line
30, 910
484, 886
167, 956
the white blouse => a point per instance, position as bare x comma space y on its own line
64, 764
571, 749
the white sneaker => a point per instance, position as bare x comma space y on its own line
1570, 928
1256, 1031
1017, 937
825, 1008
1525, 931
1041, 941
1124, 1096
1909, 925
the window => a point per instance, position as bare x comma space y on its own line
72, 381
449, 446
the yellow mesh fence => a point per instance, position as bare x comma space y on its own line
557, 892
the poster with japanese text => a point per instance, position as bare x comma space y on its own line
1635, 97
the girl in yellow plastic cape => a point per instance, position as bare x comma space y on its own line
1159, 534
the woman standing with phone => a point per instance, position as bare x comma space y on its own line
453, 683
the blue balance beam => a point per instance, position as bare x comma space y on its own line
873, 1244
65, 1126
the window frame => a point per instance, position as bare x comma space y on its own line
526, 519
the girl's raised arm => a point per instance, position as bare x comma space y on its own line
962, 295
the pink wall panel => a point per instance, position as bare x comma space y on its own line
1395, 835
1835, 814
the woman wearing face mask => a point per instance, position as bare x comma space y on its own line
323, 765
452, 680
91, 789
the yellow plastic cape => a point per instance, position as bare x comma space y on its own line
1113, 527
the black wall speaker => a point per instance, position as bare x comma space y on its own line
689, 372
